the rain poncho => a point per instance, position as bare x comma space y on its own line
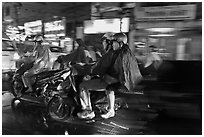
42, 58
104, 65
127, 67
122, 65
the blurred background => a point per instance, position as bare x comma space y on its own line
173, 30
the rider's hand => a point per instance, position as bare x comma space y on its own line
81, 64
99, 53
87, 77
93, 67
27, 54
74, 71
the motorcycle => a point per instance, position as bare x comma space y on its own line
65, 104
44, 86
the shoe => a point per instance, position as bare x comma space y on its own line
86, 114
108, 115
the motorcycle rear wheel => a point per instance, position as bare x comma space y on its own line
59, 109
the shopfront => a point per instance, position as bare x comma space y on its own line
55, 35
53, 30
173, 30
33, 28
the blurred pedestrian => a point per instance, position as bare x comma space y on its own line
149, 60
153, 57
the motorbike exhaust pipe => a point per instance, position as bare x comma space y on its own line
33, 100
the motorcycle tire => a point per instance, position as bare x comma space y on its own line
59, 109
17, 108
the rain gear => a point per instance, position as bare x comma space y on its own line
41, 56
127, 67
121, 65
104, 65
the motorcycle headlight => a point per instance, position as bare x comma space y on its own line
16, 56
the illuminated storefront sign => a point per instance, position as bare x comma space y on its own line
106, 25
33, 27
180, 12
54, 28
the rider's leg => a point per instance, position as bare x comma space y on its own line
27, 80
87, 112
111, 101
24, 81
85, 87
85, 99
89, 107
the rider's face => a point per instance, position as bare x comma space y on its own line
76, 45
116, 45
104, 44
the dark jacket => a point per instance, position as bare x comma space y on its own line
76, 56
105, 64
122, 65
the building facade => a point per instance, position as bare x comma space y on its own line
174, 28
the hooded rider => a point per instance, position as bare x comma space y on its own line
41, 57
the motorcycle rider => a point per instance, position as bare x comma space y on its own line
109, 69
79, 55
41, 55
96, 83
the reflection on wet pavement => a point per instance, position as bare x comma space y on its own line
137, 119
27, 120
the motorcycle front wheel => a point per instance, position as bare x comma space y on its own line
59, 109
18, 87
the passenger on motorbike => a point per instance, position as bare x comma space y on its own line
109, 78
41, 55
79, 55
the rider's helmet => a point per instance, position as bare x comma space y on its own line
120, 37
107, 36
38, 38
29, 38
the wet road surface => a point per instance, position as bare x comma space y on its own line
175, 108
138, 119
